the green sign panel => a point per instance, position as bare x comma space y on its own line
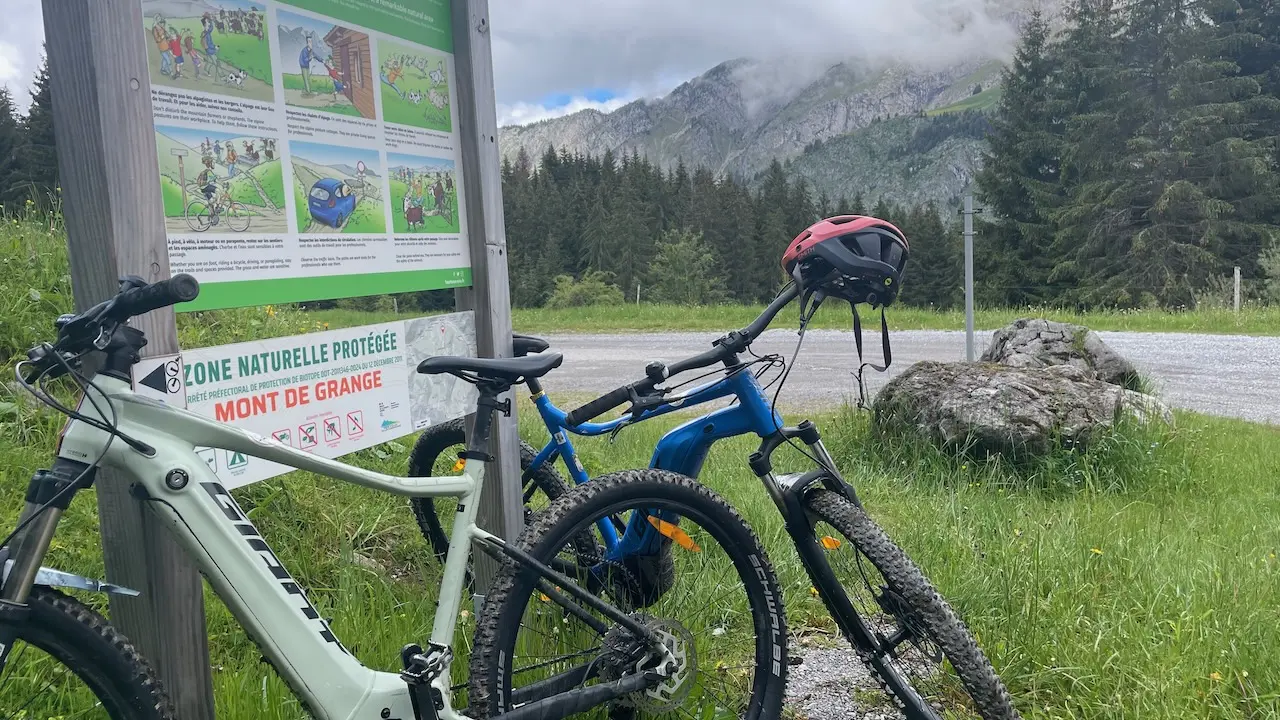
307, 149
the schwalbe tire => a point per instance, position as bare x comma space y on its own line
499, 619
103, 659
906, 579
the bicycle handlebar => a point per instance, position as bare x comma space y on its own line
142, 300
726, 347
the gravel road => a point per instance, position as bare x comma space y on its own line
1230, 375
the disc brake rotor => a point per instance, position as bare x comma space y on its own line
625, 654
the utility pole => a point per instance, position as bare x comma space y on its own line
968, 213
1236, 298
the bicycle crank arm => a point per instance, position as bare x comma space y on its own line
581, 700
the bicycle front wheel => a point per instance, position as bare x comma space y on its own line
238, 217
67, 661
699, 583
928, 661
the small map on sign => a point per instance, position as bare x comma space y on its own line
436, 398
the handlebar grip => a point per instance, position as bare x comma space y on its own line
599, 406
139, 301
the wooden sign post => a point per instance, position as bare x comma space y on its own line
115, 226
501, 511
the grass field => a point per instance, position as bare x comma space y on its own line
430, 223
322, 99
366, 218
1252, 320
268, 174
1138, 580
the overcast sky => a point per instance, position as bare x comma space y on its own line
552, 57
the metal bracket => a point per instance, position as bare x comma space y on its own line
52, 577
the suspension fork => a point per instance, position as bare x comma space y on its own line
33, 543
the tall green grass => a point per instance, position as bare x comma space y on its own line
645, 317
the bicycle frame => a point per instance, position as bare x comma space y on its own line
682, 450
249, 578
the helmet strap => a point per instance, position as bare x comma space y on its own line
884, 344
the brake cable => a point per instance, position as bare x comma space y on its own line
38, 391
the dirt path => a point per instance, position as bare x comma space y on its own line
263, 221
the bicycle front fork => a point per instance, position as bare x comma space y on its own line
789, 493
50, 490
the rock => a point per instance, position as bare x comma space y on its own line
1036, 343
1010, 410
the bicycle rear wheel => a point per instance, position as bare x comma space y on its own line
928, 662
720, 613
67, 661
435, 454
197, 215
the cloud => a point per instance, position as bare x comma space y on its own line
523, 113
542, 47
21, 48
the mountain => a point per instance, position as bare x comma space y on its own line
292, 40
909, 160
740, 115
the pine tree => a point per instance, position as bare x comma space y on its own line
1154, 217
934, 273
35, 175
1020, 168
10, 139
684, 271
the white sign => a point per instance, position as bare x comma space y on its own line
329, 393
160, 377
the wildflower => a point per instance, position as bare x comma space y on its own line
1215, 675
1096, 551
1017, 532
270, 310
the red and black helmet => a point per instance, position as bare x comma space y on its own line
855, 257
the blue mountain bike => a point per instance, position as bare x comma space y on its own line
919, 651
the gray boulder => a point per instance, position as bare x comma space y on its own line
999, 409
1036, 343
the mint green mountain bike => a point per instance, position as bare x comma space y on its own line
556, 637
